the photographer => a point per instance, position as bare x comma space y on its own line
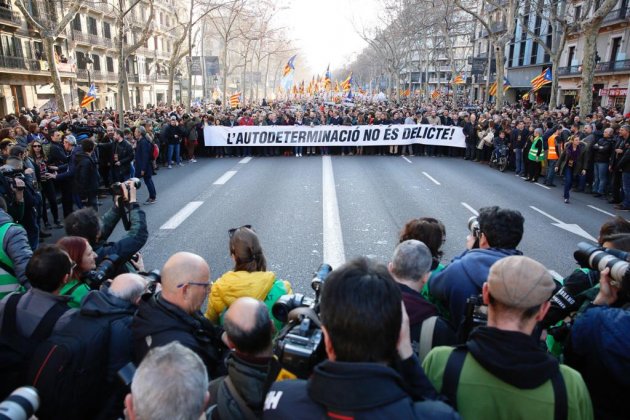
371, 371
599, 345
87, 224
497, 236
14, 171
14, 255
502, 372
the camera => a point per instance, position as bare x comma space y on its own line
476, 315
300, 344
117, 187
11, 175
598, 258
20, 405
105, 270
475, 230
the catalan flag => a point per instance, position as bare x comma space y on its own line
526, 96
327, 79
235, 99
436, 94
493, 87
289, 66
459, 80
346, 85
541, 80
336, 86
302, 88
90, 97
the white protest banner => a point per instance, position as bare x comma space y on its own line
334, 135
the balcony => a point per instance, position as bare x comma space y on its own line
99, 6
617, 16
100, 41
112, 77
81, 38
619, 66
495, 27
19, 63
10, 18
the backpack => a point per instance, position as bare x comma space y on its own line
15, 350
156, 151
70, 369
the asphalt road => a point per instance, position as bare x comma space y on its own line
303, 218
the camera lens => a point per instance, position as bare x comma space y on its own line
20, 405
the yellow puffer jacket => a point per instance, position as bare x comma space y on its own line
236, 284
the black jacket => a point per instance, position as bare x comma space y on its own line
85, 175
159, 322
125, 153
170, 132
359, 391
601, 150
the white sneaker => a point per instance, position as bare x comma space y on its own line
170, 167
193, 160
180, 164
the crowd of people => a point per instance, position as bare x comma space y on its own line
419, 337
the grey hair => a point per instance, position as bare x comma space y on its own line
412, 259
142, 130
170, 384
538, 131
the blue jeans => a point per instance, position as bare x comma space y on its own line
568, 180
601, 177
297, 150
551, 174
520, 168
626, 189
169, 153
148, 181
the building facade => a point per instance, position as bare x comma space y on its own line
86, 52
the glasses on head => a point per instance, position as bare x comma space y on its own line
73, 265
231, 231
192, 283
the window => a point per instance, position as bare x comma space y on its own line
578, 13
80, 60
570, 56
107, 30
110, 64
91, 25
614, 51
511, 55
521, 53
547, 58
534, 57
76, 22
97, 62
38, 50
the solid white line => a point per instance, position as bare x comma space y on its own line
334, 253
431, 178
600, 210
406, 159
224, 178
546, 214
542, 186
181, 215
470, 208
245, 159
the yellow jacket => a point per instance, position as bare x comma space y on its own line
236, 284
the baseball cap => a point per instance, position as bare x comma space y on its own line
520, 282
173, 118
70, 139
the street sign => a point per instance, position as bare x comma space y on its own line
195, 66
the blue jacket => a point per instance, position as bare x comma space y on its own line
464, 277
144, 153
599, 349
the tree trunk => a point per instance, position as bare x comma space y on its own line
49, 50
554, 100
225, 70
588, 70
266, 77
122, 81
499, 56
486, 95
171, 83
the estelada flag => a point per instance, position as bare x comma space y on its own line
435, 94
459, 80
90, 97
289, 66
346, 85
235, 99
542, 79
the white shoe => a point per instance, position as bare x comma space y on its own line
193, 160
170, 167
180, 164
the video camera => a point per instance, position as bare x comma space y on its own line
119, 191
91, 130
300, 344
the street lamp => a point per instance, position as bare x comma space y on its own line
179, 75
88, 63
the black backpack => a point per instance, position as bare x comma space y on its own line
70, 370
15, 350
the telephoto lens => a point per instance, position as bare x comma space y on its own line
20, 405
473, 226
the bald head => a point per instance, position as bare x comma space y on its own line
248, 327
128, 287
184, 267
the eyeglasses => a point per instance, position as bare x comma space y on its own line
192, 283
231, 231
73, 265
37, 145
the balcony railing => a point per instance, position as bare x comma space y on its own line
100, 6
19, 63
618, 14
102, 41
112, 77
619, 66
9, 16
79, 36
495, 27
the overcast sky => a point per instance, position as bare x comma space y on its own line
323, 30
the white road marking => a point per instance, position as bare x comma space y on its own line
569, 227
600, 210
406, 159
224, 178
431, 178
542, 186
245, 159
181, 215
334, 253
470, 208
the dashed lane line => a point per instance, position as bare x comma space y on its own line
224, 178
435, 181
470, 208
600, 210
245, 159
334, 253
179, 217
404, 157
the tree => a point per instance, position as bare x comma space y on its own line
500, 29
122, 27
50, 26
590, 28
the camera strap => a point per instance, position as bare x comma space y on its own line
247, 412
561, 405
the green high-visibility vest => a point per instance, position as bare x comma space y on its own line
533, 152
8, 282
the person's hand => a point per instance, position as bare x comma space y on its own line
141, 173
405, 351
19, 190
138, 265
132, 191
117, 163
619, 151
53, 168
555, 169
608, 289
470, 241
28, 171
583, 172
